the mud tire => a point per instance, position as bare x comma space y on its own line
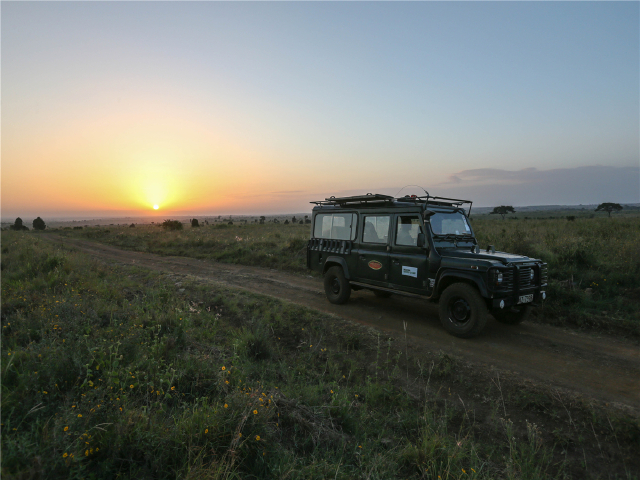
336, 286
513, 315
463, 311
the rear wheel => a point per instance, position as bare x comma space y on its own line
336, 286
463, 312
513, 315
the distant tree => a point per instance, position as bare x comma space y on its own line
132, 225
306, 216
293, 220
194, 223
38, 224
609, 207
17, 225
570, 218
262, 219
286, 222
172, 225
306, 220
275, 220
502, 210
230, 223
300, 222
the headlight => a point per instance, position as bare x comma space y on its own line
531, 274
498, 278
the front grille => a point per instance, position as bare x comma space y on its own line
524, 277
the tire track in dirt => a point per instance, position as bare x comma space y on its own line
597, 366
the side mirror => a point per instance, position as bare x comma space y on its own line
421, 240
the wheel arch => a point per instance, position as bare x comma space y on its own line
336, 261
450, 277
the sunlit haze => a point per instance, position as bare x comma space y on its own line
159, 108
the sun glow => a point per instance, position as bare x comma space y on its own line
155, 207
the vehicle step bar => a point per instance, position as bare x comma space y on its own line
390, 290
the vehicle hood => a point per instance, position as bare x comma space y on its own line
502, 257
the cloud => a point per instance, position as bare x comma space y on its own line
530, 186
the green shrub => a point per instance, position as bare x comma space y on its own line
172, 225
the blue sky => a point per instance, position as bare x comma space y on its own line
292, 102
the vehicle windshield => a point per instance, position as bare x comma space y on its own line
453, 223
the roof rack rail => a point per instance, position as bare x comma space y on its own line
378, 199
369, 198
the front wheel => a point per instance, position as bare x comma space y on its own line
513, 315
336, 286
463, 312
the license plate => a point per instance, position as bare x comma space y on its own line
525, 298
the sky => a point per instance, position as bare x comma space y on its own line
258, 108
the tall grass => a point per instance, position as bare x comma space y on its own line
594, 263
111, 371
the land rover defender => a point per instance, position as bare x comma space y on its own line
421, 246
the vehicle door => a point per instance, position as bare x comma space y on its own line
373, 255
409, 262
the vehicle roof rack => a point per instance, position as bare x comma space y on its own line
368, 199
373, 199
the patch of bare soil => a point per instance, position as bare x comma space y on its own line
598, 367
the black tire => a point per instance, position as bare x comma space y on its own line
513, 315
336, 286
382, 294
463, 312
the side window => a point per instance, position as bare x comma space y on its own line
336, 226
407, 230
376, 229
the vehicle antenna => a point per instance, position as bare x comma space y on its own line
396, 195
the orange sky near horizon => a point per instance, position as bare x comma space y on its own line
208, 108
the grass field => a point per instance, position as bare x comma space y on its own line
114, 372
594, 263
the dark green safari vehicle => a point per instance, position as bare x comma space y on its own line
421, 247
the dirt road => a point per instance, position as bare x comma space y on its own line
597, 366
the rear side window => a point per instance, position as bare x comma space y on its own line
376, 229
335, 226
408, 230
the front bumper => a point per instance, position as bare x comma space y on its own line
507, 301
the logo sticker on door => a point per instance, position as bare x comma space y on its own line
375, 265
410, 271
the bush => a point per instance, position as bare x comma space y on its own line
38, 224
194, 223
18, 225
172, 225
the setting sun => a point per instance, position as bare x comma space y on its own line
155, 207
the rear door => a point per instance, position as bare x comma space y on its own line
408, 262
373, 255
